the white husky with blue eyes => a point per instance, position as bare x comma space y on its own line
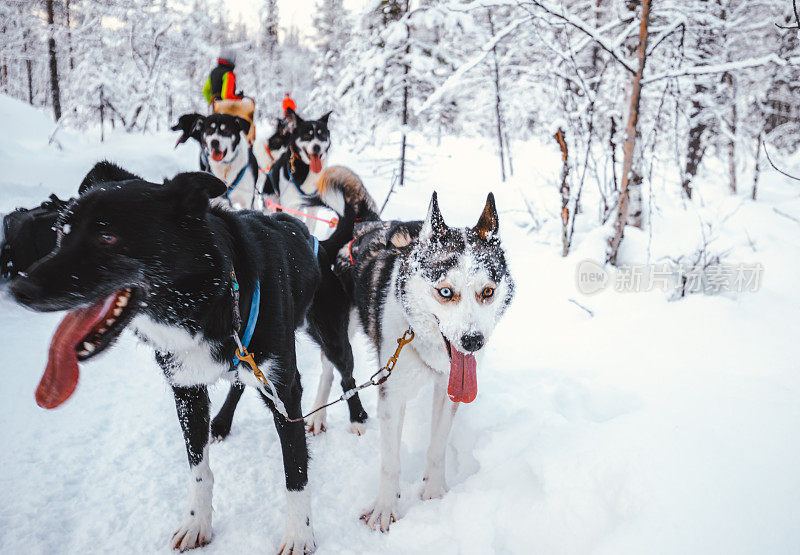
450, 287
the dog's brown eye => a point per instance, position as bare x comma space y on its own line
108, 239
487, 292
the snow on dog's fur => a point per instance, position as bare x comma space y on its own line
225, 152
301, 180
157, 258
451, 287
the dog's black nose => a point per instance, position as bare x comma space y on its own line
215, 144
472, 341
25, 290
316, 149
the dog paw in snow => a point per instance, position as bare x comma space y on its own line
432, 489
381, 515
315, 424
298, 542
220, 430
194, 531
358, 428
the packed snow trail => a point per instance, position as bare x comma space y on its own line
650, 427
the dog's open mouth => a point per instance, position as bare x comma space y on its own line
315, 162
218, 155
463, 384
82, 334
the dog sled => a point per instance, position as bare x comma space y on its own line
244, 108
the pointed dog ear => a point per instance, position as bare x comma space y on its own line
244, 124
292, 120
488, 223
104, 172
324, 119
192, 190
190, 126
434, 223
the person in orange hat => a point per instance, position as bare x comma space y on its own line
288, 103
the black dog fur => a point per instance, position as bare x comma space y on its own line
176, 254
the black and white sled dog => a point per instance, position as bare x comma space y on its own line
306, 144
301, 179
449, 286
159, 259
225, 152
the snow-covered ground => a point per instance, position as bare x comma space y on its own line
649, 427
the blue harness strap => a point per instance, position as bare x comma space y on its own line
299, 190
255, 303
252, 318
238, 179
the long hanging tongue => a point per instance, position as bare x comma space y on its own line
315, 162
463, 386
61, 374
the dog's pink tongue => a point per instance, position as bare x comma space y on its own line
61, 374
315, 162
463, 386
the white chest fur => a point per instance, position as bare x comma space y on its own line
193, 363
191, 355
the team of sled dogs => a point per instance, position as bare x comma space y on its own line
180, 266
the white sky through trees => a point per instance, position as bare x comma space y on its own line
292, 12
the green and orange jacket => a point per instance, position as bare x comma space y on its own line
221, 83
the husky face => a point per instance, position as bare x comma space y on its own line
222, 134
218, 134
455, 282
309, 139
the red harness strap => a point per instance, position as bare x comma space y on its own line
350, 251
274, 207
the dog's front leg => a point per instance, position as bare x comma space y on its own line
299, 536
316, 422
193, 413
444, 410
391, 411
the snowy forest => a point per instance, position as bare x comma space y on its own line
622, 86
641, 392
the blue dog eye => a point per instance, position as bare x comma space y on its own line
445, 293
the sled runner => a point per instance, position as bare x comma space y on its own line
244, 109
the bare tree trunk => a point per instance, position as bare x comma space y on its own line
497, 107
732, 152
695, 147
631, 187
51, 42
405, 123
509, 157
102, 115
613, 146
564, 190
28, 67
69, 38
757, 168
